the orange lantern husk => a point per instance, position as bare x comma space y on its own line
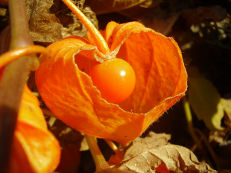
65, 85
34, 148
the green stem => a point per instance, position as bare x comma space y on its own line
190, 124
193, 132
100, 162
13, 81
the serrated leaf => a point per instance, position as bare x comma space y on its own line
206, 102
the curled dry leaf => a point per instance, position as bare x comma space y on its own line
165, 156
140, 145
35, 149
175, 158
65, 85
108, 6
50, 21
44, 26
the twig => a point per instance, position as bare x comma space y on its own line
100, 162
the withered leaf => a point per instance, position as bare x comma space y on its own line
51, 21
140, 145
107, 6
176, 158
220, 137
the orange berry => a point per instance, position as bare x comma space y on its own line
115, 79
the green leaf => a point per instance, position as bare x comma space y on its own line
226, 103
206, 102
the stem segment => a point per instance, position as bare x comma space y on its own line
193, 132
112, 145
14, 54
98, 38
189, 121
13, 81
100, 162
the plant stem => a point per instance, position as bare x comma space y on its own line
98, 38
16, 53
100, 162
209, 148
189, 121
112, 145
193, 132
13, 81
20, 36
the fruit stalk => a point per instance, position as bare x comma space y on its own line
100, 162
98, 38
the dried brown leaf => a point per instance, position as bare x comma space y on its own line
107, 6
51, 21
140, 145
155, 150
220, 137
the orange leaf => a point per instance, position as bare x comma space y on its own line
35, 149
65, 85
